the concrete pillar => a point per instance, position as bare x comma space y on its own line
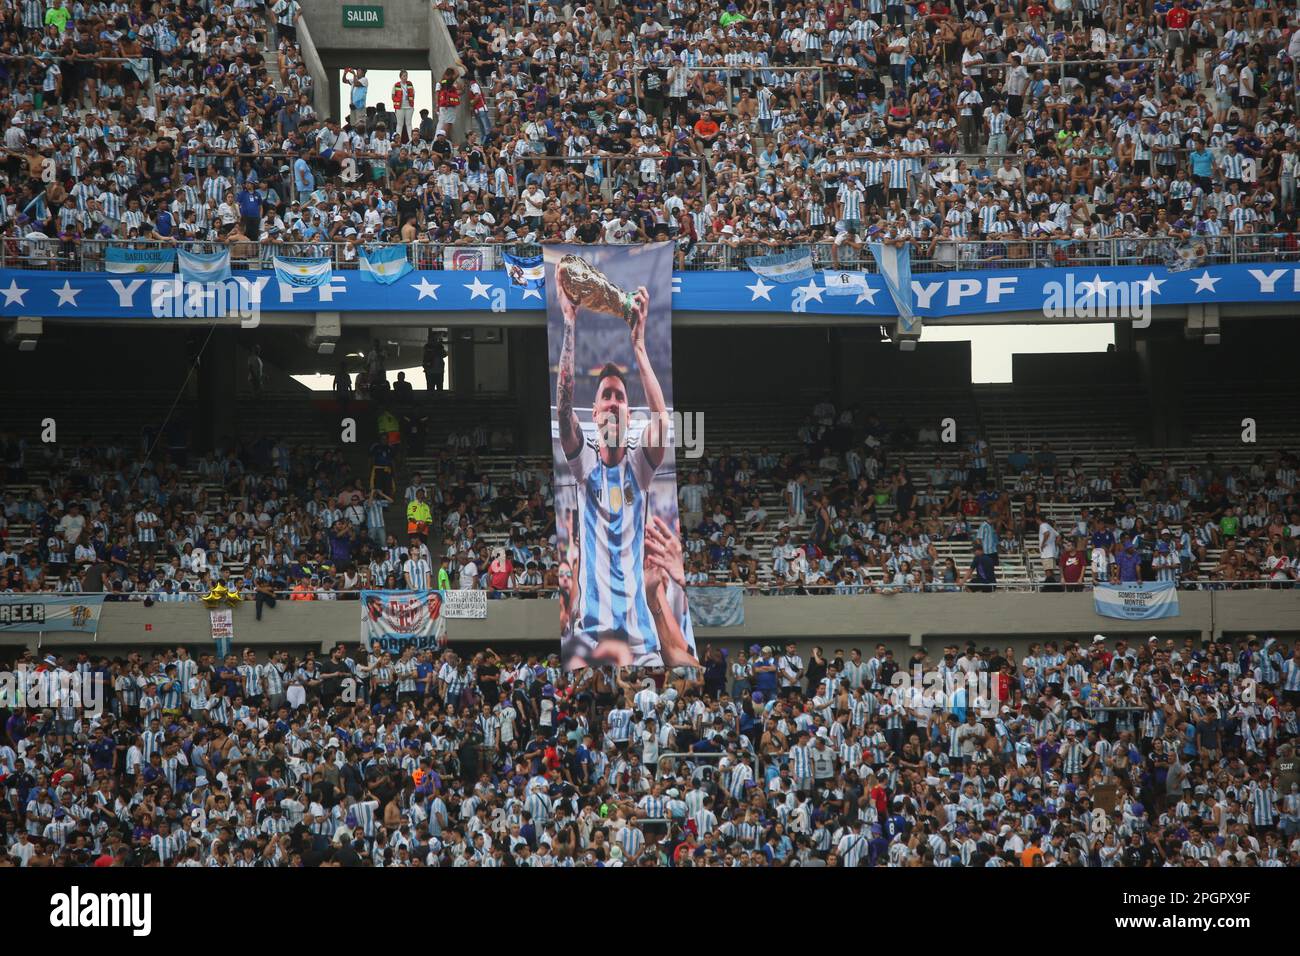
460, 361
325, 88
530, 379
218, 378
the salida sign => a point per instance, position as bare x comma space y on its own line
354, 16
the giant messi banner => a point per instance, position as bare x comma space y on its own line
609, 321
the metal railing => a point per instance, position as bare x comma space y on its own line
944, 255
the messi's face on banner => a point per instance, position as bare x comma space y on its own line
609, 412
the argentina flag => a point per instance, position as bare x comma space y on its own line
302, 272
120, 260
526, 271
204, 266
793, 266
895, 265
845, 283
384, 264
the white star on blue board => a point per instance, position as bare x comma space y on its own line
426, 288
1097, 286
1151, 284
478, 288
866, 294
67, 295
14, 294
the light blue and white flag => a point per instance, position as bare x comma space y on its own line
121, 260
717, 607
303, 272
793, 266
1136, 601
526, 271
895, 266
204, 266
845, 283
51, 613
384, 264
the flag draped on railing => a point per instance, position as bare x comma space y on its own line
120, 260
717, 607
894, 263
845, 283
302, 272
384, 264
204, 266
528, 272
793, 266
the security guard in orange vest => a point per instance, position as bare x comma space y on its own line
403, 106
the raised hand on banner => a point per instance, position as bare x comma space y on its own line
663, 551
568, 310
640, 311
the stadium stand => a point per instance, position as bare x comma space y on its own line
1103, 132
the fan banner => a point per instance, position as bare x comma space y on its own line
622, 587
464, 604
396, 620
123, 261
718, 607
78, 613
1138, 601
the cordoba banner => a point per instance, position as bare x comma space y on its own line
609, 318
396, 620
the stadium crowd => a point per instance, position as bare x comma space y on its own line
1103, 754
843, 516
752, 125
272, 521
1021, 130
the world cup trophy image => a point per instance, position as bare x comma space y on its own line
587, 286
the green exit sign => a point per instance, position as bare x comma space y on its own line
363, 16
